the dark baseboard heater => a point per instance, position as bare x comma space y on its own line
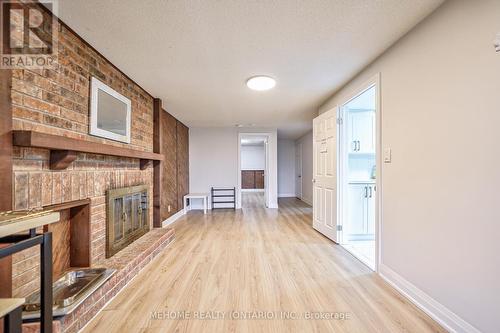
223, 195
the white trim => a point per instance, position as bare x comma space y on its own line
306, 201
378, 171
269, 174
444, 316
287, 195
299, 191
252, 190
173, 218
97, 85
341, 169
374, 81
358, 255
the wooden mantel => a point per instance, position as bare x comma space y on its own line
64, 150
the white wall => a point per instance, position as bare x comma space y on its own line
306, 142
213, 159
440, 108
286, 168
253, 158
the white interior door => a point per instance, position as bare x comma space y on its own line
298, 170
325, 174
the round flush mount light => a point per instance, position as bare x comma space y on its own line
261, 83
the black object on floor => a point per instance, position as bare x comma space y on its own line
226, 195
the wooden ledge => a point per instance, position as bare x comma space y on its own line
63, 150
7, 305
67, 205
14, 222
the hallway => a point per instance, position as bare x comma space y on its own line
252, 200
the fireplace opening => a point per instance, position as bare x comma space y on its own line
128, 217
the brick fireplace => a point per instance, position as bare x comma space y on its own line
55, 101
91, 177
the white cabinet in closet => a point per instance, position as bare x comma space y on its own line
361, 199
361, 131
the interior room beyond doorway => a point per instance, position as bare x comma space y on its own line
359, 177
253, 170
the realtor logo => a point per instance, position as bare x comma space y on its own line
29, 34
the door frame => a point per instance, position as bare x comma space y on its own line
298, 191
267, 137
374, 81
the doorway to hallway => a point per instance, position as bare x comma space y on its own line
253, 166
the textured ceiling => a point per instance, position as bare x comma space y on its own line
197, 55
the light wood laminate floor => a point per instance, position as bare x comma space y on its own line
252, 200
269, 265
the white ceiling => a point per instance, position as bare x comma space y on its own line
197, 55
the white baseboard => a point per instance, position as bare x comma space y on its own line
173, 218
307, 201
286, 195
444, 316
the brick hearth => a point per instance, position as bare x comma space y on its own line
128, 263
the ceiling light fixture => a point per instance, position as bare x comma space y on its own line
261, 83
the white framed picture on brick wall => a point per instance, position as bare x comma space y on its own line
110, 112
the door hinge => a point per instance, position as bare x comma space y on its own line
339, 121
339, 228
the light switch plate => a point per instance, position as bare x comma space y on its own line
387, 155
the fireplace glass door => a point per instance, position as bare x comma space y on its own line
128, 217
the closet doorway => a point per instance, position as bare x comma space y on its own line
253, 166
358, 175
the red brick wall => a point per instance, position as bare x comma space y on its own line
56, 101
